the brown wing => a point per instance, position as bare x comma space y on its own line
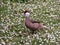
33, 21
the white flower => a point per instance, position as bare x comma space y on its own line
3, 42
27, 43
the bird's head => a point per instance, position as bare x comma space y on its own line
27, 13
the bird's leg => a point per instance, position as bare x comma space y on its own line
32, 31
28, 31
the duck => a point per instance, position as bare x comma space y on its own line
32, 24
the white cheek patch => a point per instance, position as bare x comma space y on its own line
27, 14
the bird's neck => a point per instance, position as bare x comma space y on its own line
27, 18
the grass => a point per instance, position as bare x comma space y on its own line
12, 27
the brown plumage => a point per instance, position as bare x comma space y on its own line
31, 24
